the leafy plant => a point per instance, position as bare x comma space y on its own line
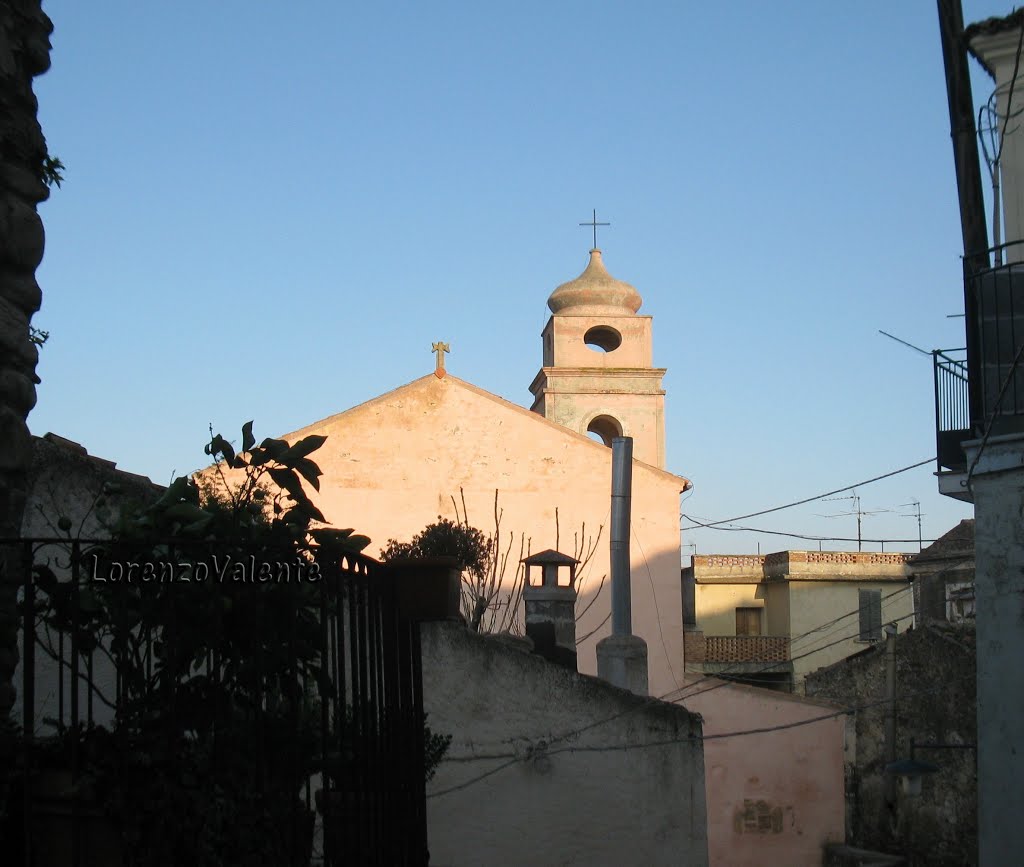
52, 171
214, 729
37, 337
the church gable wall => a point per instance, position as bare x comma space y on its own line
392, 465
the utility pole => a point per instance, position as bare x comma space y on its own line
962, 130
973, 225
890, 710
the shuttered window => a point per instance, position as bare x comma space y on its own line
748, 621
870, 615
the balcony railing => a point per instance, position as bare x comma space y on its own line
998, 295
746, 648
952, 407
981, 388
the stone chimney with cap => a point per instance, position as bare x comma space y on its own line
551, 606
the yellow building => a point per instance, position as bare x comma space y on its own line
771, 619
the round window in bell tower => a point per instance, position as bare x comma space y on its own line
604, 428
603, 338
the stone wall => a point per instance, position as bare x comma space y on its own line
935, 704
24, 54
627, 788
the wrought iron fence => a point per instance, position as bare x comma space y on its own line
327, 681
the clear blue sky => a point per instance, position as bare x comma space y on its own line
272, 209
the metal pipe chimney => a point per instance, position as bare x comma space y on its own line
622, 656
622, 489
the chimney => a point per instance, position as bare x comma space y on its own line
551, 607
622, 656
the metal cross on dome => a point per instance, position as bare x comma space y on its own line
594, 224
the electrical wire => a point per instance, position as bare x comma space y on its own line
545, 750
821, 496
512, 758
697, 525
657, 609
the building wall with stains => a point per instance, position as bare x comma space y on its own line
773, 797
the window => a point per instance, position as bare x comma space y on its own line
960, 602
870, 615
748, 621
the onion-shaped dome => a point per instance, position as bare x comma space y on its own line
595, 291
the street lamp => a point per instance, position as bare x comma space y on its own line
911, 771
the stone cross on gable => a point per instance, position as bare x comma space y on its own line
440, 348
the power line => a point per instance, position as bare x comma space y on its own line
657, 609
716, 525
822, 496
543, 748
671, 695
774, 665
513, 758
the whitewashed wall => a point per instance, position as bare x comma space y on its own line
606, 796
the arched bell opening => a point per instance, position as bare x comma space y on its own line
604, 429
602, 338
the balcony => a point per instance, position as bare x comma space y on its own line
980, 389
759, 659
952, 408
746, 648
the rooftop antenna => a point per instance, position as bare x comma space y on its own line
904, 342
857, 510
916, 504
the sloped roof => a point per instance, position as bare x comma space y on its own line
955, 543
448, 380
992, 27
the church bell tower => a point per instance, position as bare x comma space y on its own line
597, 375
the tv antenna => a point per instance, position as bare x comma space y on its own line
916, 505
904, 342
857, 510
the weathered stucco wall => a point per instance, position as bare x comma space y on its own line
773, 797
613, 794
998, 486
717, 604
776, 603
814, 603
935, 704
392, 465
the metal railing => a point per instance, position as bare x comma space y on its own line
998, 295
952, 407
980, 388
356, 655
